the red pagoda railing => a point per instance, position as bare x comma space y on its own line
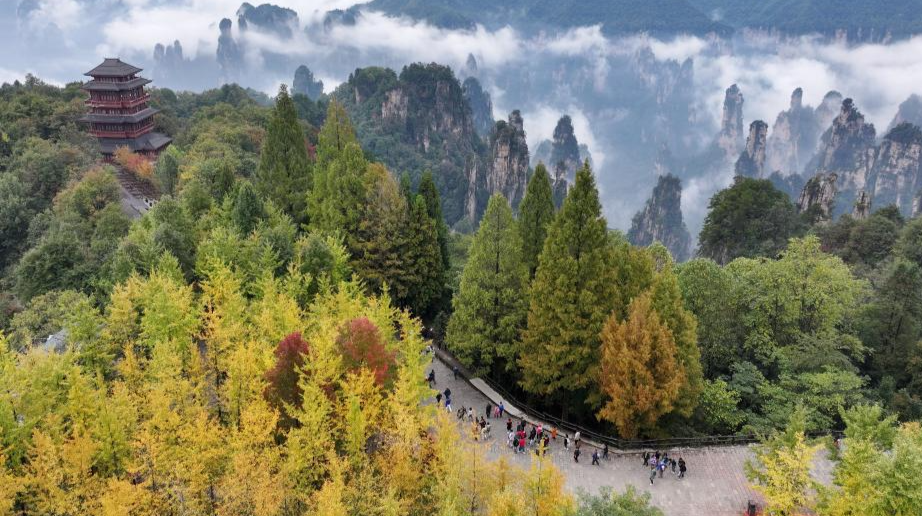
126, 103
121, 134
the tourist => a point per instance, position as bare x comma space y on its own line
438, 398
489, 410
470, 413
576, 437
576, 455
448, 404
447, 392
510, 438
531, 436
502, 408
431, 377
554, 433
672, 464
454, 370
652, 474
566, 442
682, 467
661, 467
595, 458
509, 424
547, 444
646, 458
522, 443
605, 451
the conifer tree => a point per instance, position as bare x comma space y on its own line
382, 234
338, 191
247, 208
425, 279
571, 296
430, 193
491, 306
284, 173
535, 215
640, 373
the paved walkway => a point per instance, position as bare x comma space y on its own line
715, 484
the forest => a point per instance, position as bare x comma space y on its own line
254, 343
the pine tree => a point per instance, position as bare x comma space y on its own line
284, 173
491, 306
571, 296
640, 373
338, 192
535, 215
425, 279
430, 193
247, 208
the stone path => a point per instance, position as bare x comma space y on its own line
715, 484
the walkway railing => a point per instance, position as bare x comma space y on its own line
612, 442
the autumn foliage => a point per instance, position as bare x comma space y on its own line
138, 165
362, 346
283, 377
640, 374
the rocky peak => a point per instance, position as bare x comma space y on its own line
751, 162
229, 55
793, 137
508, 163
564, 158
862, 206
828, 108
480, 104
910, 110
818, 197
730, 138
470, 67
270, 18
305, 84
896, 174
661, 219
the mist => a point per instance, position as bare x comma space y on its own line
628, 97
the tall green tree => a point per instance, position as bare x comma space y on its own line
535, 215
572, 295
284, 172
382, 235
491, 307
247, 208
424, 261
430, 193
339, 188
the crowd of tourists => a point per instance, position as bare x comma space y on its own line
660, 462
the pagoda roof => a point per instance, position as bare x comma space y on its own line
145, 142
131, 118
113, 67
115, 86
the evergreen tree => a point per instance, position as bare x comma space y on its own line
572, 295
426, 278
247, 208
640, 375
535, 215
382, 234
490, 308
337, 132
336, 200
430, 193
284, 173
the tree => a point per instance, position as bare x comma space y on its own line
609, 503
379, 258
707, 291
781, 469
641, 373
424, 262
336, 200
166, 173
247, 208
751, 218
283, 391
572, 295
362, 347
490, 308
535, 215
58, 262
430, 193
284, 173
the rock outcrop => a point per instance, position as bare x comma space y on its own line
661, 219
910, 110
751, 162
896, 175
862, 208
269, 18
793, 138
828, 109
305, 84
846, 150
818, 197
730, 138
508, 170
229, 54
564, 160
481, 106
168, 61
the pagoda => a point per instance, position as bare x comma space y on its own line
119, 115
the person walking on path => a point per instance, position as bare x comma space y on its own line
652, 474
576, 437
595, 458
509, 424
447, 392
682, 467
489, 411
438, 398
576, 455
672, 464
646, 458
454, 370
502, 408
605, 451
554, 433
661, 467
431, 378
566, 442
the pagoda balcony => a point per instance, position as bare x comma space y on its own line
122, 134
121, 103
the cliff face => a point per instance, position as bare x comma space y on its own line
661, 219
818, 197
305, 84
793, 137
508, 170
847, 151
280, 21
420, 121
564, 159
751, 162
481, 106
730, 138
910, 110
896, 176
229, 55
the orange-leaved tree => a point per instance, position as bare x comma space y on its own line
640, 373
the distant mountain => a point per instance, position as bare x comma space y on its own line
615, 16
858, 19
